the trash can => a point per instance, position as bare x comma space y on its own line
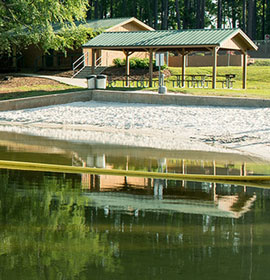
101, 81
91, 81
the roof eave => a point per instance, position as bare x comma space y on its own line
195, 47
249, 42
128, 21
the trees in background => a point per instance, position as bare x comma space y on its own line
253, 16
28, 22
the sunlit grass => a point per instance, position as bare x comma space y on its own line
258, 81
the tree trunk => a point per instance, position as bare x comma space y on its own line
263, 20
198, 13
155, 14
89, 11
164, 23
186, 14
96, 9
202, 14
233, 14
100, 10
244, 16
134, 8
254, 21
250, 18
177, 14
219, 14
111, 9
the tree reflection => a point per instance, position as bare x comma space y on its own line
43, 230
50, 228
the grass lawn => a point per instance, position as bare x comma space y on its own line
22, 87
258, 82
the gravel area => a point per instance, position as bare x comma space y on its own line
239, 130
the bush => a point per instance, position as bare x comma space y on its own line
136, 62
117, 62
261, 62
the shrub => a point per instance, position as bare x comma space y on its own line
136, 62
117, 62
261, 62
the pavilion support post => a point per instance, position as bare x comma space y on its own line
244, 55
214, 74
93, 60
183, 67
150, 68
127, 54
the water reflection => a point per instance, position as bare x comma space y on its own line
52, 228
66, 226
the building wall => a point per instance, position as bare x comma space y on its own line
200, 61
109, 56
35, 58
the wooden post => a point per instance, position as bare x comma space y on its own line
214, 75
183, 67
93, 60
127, 67
150, 68
244, 55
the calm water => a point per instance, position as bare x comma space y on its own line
65, 226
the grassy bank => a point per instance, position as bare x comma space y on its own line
35, 92
22, 87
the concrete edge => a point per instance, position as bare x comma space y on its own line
177, 99
46, 100
131, 97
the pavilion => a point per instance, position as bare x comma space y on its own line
182, 41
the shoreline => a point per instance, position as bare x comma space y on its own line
199, 128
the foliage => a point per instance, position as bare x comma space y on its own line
27, 22
261, 62
118, 62
252, 16
136, 63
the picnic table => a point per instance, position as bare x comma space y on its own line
198, 80
203, 80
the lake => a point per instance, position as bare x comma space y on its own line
84, 226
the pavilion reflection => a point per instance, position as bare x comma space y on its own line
142, 194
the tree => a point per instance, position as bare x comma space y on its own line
219, 14
32, 21
177, 14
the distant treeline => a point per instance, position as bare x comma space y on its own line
252, 16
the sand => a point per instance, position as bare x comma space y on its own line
218, 129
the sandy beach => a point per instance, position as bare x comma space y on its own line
217, 129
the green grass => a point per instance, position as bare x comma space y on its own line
32, 91
258, 81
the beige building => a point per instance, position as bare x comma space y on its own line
105, 57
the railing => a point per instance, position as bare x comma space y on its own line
79, 62
98, 62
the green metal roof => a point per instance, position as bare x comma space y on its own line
190, 37
102, 23
96, 24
